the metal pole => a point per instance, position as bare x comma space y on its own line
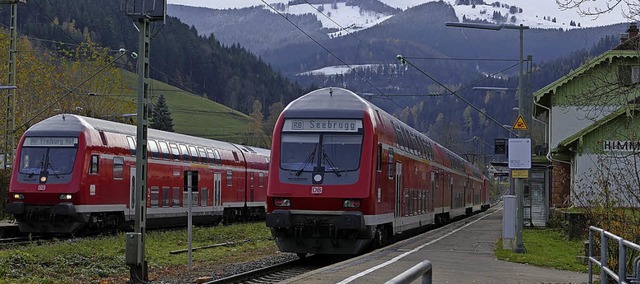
519, 183
190, 217
140, 270
10, 122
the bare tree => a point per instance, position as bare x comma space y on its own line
629, 8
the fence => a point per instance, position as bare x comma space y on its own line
605, 270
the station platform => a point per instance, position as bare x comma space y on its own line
459, 253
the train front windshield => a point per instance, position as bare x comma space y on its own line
56, 155
320, 152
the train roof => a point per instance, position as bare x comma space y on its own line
71, 124
341, 102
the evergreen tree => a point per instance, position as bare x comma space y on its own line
161, 118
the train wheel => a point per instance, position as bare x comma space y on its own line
380, 238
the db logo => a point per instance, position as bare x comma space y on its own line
316, 190
41, 187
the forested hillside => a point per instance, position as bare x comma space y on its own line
179, 56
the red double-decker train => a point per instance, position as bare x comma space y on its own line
73, 173
344, 175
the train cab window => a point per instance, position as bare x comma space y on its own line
174, 151
185, 153
229, 177
153, 147
391, 164
203, 155
235, 156
118, 167
94, 166
194, 154
164, 148
132, 145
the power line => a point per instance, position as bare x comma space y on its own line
405, 61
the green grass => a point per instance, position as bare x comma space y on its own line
195, 115
546, 248
103, 258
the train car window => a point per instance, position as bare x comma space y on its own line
155, 196
211, 156
203, 155
391, 164
164, 148
165, 196
204, 196
235, 156
175, 197
185, 153
132, 145
103, 138
153, 147
94, 166
229, 177
260, 179
194, 154
379, 160
118, 167
218, 157
174, 151
193, 175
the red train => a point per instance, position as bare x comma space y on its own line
344, 175
73, 172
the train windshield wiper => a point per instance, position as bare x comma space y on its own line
309, 159
333, 167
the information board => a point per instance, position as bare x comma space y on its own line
519, 153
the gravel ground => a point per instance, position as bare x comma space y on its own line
201, 273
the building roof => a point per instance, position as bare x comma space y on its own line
607, 57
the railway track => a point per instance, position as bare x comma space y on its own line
282, 271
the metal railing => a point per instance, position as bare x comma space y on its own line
421, 269
605, 270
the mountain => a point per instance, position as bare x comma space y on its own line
536, 14
361, 53
230, 75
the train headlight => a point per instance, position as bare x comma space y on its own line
282, 202
351, 203
65, 196
43, 179
18, 196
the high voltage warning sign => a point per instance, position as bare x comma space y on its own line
520, 124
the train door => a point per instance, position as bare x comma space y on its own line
217, 189
398, 211
251, 197
434, 188
132, 191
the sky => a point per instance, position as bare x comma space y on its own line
535, 10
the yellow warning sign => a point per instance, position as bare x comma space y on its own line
520, 124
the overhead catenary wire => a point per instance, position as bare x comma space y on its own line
403, 60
